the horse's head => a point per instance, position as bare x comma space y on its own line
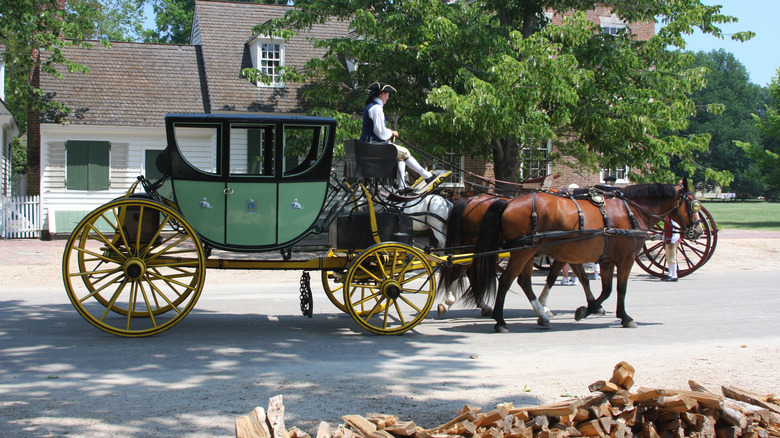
687, 212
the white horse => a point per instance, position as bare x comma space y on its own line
429, 213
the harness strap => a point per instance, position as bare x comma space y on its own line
534, 216
522, 243
631, 217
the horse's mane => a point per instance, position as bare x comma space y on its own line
650, 191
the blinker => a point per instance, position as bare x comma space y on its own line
695, 205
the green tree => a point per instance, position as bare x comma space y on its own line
728, 84
489, 76
768, 156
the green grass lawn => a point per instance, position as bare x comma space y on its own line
745, 215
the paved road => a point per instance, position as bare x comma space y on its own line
245, 343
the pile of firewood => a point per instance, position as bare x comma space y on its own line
611, 410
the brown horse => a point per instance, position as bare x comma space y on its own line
610, 228
463, 228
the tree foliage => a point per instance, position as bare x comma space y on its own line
768, 156
489, 76
728, 85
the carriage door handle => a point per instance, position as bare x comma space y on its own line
228, 191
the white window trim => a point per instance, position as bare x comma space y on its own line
549, 164
461, 164
255, 50
623, 180
611, 22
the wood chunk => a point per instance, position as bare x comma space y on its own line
382, 420
403, 428
648, 431
645, 394
275, 417
323, 430
698, 387
489, 419
734, 417
606, 424
381, 434
464, 427
727, 431
468, 415
604, 386
469, 408
591, 428
621, 398
252, 425
706, 399
677, 403
555, 410
294, 432
623, 375
620, 431
749, 397
360, 425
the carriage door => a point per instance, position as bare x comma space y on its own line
251, 191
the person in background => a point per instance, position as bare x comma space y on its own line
671, 238
375, 130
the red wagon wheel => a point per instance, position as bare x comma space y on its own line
691, 253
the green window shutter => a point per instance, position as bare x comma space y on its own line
99, 152
253, 156
77, 163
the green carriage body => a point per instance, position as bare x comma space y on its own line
249, 182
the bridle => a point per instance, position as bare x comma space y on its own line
693, 207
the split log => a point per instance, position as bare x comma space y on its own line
749, 397
275, 417
403, 428
360, 425
623, 375
253, 425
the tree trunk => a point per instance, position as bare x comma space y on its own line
506, 163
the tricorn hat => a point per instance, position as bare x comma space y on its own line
380, 87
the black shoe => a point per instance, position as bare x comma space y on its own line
406, 191
669, 279
433, 177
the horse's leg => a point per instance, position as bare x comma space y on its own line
513, 269
524, 280
552, 276
594, 304
622, 285
579, 271
454, 287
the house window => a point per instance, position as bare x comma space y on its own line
620, 173
612, 30
268, 60
536, 161
454, 163
87, 165
611, 25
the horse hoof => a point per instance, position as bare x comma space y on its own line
629, 324
543, 323
500, 328
487, 311
442, 309
580, 313
600, 311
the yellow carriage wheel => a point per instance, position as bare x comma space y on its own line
133, 267
389, 288
333, 284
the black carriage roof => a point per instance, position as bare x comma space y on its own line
249, 118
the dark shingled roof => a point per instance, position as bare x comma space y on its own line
129, 84
133, 84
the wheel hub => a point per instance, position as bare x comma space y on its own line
391, 289
134, 268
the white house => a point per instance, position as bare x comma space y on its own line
115, 127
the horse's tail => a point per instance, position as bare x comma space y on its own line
450, 274
483, 269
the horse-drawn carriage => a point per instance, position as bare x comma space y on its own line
254, 184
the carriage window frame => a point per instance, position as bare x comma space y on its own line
217, 143
267, 141
317, 148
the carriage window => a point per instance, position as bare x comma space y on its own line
252, 150
303, 147
198, 145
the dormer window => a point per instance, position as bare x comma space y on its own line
611, 25
268, 59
